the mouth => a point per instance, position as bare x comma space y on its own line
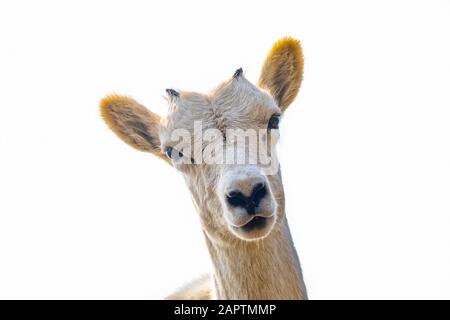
258, 227
255, 224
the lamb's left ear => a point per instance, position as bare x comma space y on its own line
282, 71
132, 122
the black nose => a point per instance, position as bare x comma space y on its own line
237, 199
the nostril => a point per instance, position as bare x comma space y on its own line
237, 199
258, 193
259, 186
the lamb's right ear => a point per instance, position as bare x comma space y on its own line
132, 122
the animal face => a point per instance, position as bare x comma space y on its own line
222, 142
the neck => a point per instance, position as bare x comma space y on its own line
256, 270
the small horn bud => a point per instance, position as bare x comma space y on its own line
238, 73
172, 93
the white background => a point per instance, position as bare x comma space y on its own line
365, 148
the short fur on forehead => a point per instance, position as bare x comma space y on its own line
242, 103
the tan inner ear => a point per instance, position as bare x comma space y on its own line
282, 71
132, 123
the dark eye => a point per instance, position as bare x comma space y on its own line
274, 122
172, 153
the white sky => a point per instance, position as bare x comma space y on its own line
365, 148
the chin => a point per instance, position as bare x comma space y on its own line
256, 229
